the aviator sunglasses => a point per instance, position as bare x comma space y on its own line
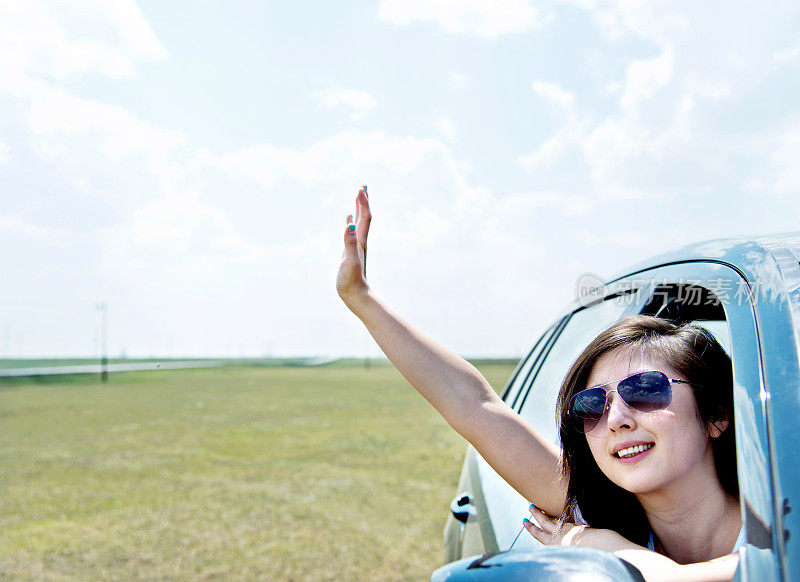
644, 391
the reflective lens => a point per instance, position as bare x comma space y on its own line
645, 391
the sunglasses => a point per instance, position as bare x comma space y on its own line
644, 391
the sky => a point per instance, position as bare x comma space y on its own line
191, 164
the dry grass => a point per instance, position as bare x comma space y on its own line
331, 473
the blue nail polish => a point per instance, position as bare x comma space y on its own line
526, 520
352, 227
533, 506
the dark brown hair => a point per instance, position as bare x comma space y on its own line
690, 350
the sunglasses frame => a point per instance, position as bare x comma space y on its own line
577, 421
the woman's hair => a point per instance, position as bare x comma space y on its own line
690, 350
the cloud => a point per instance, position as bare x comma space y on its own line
643, 78
56, 41
483, 18
666, 133
572, 131
340, 156
176, 231
360, 103
554, 94
98, 145
101, 149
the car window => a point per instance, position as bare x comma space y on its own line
539, 405
718, 298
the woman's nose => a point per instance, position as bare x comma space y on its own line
620, 415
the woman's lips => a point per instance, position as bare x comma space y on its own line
633, 453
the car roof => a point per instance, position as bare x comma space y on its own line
745, 253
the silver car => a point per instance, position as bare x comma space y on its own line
747, 293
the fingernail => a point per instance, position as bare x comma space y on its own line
526, 520
533, 506
351, 226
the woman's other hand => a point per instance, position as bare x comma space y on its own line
653, 566
545, 528
351, 282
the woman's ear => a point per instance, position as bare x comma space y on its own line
718, 425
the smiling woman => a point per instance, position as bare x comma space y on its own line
646, 468
651, 435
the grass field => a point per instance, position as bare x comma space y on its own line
244, 473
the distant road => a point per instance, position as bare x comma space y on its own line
96, 368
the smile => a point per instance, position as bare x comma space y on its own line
634, 450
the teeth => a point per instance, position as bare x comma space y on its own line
634, 450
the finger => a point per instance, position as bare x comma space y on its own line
538, 534
364, 215
362, 194
350, 239
544, 521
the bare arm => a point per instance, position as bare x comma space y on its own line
522, 456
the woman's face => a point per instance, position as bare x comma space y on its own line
672, 445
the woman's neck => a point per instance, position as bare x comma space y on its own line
693, 522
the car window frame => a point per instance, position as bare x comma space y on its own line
516, 383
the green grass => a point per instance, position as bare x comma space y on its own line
326, 473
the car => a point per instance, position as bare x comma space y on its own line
746, 292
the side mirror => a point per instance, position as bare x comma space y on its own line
548, 564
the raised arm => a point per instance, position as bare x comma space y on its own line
522, 456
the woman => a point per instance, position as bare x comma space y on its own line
646, 417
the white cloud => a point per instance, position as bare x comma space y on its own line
97, 144
554, 94
341, 156
571, 133
102, 149
643, 78
667, 135
648, 20
484, 18
56, 41
177, 231
360, 103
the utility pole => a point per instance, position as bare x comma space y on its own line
102, 307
